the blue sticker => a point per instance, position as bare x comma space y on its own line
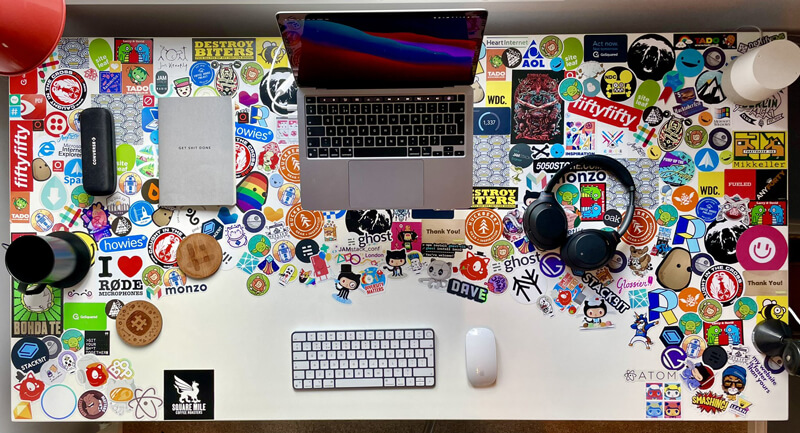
276, 180
149, 119
707, 209
557, 150
47, 148
73, 172
557, 64
492, 121
154, 137
110, 82
673, 80
551, 265
706, 160
591, 87
202, 73
690, 63
252, 132
213, 228
123, 243
141, 213
676, 168
570, 89
605, 48
28, 354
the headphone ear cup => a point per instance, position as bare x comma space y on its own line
589, 249
545, 222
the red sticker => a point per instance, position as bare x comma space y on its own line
56, 124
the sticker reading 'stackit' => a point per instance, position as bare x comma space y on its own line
199, 255
139, 323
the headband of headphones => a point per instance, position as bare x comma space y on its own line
614, 167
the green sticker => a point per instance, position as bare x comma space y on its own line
126, 158
647, 94
550, 47
573, 53
100, 52
85, 316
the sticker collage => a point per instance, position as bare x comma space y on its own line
704, 259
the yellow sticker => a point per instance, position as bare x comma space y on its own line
114, 66
772, 307
711, 184
653, 152
270, 52
498, 93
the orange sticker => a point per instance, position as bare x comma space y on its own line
289, 166
304, 224
642, 229
20, 207
705, 118
689, 298
483, 227
684, 198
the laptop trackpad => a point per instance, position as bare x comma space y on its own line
383, 184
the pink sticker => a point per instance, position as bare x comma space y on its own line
762, 248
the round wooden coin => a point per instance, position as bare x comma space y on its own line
139, 323
199, 255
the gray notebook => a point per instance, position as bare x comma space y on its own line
196, 152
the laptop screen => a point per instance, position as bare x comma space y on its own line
357, 50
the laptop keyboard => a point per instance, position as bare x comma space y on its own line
385, 126
363, 358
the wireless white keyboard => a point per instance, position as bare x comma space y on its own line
366, 358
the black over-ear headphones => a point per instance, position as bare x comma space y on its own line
545, 221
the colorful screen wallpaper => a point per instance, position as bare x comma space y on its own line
378, 50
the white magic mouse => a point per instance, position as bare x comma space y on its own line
481, 354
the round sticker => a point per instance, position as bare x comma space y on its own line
701, 262
690, 323
722, 283
719, 139
483, 227
163, 246
112, 308
245, 157
121, 226
81, 198
696, 136
258, 284
745, 308
304, 223
283, 251
618, 83
714, 58
201, 73
65, 90
666, 215
618, 262
59, 402
92, 404
673, 358
690, 63
520, 155
709, 87
288, 273
567, 194
259, 246
289, 165
152, 276
150, 191
651, 56
75, 120
306, 249
706, 160
550, 47
511, 58
722, 237
709, 310
591, 87
502, 250
29, 353
694, 345
670, 134
497, 284
557, 150
726, 157
689, 298
654, 153
676, 168
570, 89
707, 209
141, 213
643, 228
174, 277
72, 340
252, 73
684, 198
652, 116
551, 265
130, 183
612, 218
762, 248
705, 118
673, 80
42, 220
254, 220
715, 357
53, 345
288, 194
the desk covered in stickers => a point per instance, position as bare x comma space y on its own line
661, 332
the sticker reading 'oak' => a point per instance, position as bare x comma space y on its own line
139, 323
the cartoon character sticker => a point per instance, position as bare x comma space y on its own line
346, 282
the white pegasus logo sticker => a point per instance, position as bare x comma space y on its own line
188, 392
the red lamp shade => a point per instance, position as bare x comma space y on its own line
29, 33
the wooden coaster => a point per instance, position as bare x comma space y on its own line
139, 323
199, 255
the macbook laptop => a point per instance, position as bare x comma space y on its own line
384, 106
